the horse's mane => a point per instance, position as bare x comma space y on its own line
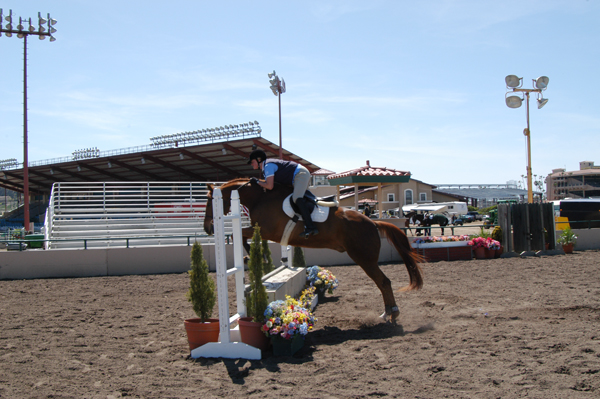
235, 182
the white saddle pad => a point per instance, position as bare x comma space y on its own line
319, 214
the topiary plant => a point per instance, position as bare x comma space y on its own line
497, 234
257, 300
267, 259
202, 287
298, 260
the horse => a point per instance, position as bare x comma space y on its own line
409, 219
427, 222
344, 230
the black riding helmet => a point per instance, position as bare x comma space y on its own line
257, 154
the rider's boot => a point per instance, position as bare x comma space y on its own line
309, 226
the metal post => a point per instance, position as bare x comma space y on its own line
529, 178
280, 149
25, 158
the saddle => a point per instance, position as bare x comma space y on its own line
318, 213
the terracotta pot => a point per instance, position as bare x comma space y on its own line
490, 253
199, 333
479, 253
252, 334
499, 251
568, 248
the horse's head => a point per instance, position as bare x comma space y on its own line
226, 190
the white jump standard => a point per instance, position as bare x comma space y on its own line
227, 348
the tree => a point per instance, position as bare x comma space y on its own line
257, 301
202, 287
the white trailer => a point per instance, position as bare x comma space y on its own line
456, 208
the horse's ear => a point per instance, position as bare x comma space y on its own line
210, 188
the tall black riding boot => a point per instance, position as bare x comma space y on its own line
309, 227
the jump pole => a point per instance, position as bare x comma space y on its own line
227, 348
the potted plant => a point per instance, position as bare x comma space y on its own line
267, 258
322, 279
298, 260
201, 294
287, 323
257, 299
567, 239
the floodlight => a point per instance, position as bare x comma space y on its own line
41, 20
542, 82
143, 161
513, 81
541, 102
224, 151
514, 101
52, 39
270, 74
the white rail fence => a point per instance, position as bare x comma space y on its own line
127, 214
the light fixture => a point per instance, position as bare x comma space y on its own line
224, 151
109, 165
513, 81
542, 82
51, 172
513, 101
181, 156
278, 88
78, 168
24, 34
143, 161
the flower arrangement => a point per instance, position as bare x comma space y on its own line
427, 239
287, 319
307, 296
481, 242
321, 279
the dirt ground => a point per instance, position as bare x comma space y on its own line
499, 328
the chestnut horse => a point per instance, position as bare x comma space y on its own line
344, 230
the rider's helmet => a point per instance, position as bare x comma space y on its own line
257, 154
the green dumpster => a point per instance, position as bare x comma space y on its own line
34, 243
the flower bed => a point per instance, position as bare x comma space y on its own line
449, 248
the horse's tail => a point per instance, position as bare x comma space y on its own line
411, 259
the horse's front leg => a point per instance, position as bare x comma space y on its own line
247, 233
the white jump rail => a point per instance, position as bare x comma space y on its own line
226, 348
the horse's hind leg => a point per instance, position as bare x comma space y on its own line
371, 268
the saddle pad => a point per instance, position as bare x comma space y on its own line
319, 214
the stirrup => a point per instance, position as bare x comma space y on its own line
307, 232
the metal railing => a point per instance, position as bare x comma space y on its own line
112, 212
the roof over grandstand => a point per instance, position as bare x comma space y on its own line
483, 191
193, 156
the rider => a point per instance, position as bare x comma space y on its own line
287, 173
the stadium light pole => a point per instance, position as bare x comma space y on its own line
41, 32
515, 84
278, 88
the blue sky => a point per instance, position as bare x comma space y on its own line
410, 85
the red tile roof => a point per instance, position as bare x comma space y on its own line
370, 171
